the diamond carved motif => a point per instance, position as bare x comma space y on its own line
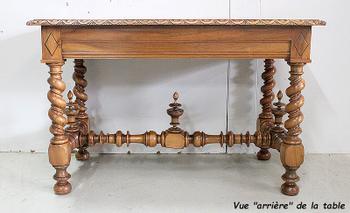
301, 44
51, 44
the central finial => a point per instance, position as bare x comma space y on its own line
175, 96
71, 108
175, 112
279, 110
71, 112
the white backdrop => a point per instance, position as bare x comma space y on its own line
134, 94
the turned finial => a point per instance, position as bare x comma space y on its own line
70, 96
175, 112
279, 96
73, 105
279, 103
70, 104
279, 111
175, 96
71, 110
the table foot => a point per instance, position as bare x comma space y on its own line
263, 154
62, 186
82, 154
289, 187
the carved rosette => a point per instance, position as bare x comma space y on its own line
80, 94
292, 150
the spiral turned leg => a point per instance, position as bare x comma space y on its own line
265, 120
60, 148
81, 98
292, 149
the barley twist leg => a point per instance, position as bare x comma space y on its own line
292, 149
265, 120
81, 98
59, 148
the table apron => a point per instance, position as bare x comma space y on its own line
243, 42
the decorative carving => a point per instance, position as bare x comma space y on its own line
292, 150
301, 44
238, 22
300, 49
51, 44
60, 148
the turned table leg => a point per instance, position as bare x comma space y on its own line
292, 149
60, 148
265, 120
81, 97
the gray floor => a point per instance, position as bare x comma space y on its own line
167, 183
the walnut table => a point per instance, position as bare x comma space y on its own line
268, 39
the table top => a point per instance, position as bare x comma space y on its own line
155, 22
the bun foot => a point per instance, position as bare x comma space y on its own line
62, 185
290, 189
82, 155
263, 154
62, 189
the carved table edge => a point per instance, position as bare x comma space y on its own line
150, 22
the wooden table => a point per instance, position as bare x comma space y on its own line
267, 39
